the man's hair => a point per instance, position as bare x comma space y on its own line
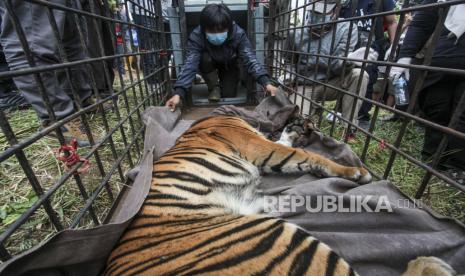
216, 17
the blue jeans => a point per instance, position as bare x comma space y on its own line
120, 61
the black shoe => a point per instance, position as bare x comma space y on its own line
365, 125
215, 94
456, 174
13, 100
108, 105
393, 118
364, 117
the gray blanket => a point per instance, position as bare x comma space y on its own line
375, 243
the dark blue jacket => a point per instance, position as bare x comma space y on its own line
237, 45
421, 29
449, 52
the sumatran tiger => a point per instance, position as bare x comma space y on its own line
201, 215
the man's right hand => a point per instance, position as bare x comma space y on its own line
173, 102
396, 72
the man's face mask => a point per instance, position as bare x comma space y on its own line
217, 39
316, 18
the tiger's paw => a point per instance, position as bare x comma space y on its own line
430, 266
361, 176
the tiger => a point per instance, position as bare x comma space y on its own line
203, 214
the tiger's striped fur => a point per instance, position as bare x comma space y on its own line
201, 214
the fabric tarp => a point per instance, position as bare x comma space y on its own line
375, 243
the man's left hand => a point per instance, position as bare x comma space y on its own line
271, 89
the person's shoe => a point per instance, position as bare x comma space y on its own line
364, 117
212, 81
91, 100
364, 124
330, 117
455, 174
74, 129
392, 118
13, 100
215, 94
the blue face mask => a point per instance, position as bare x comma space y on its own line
217, 38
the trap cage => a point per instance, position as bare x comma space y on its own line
41, 195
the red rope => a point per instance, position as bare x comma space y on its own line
73, 158
382, 144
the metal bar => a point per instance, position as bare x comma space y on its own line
447, 130
110, 87
460, 109
453, 71
44, 131
364, 64
418, 85
15, 225
382, 14
78, 101
271, 40
29, 172
40, 69
400, 152
93, 197
82, 13
183, 25
385, 83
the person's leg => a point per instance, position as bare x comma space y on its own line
317, 94
120, 61
363, 114
79, 76
38, 32
350, 84
9, 97
93, 48
210, 75
147, 60
229, 79
438, 103
457, 145
435, 103
41, 41
5, 84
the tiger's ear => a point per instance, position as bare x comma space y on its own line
429, 266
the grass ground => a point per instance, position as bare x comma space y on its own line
404, 174
16, 195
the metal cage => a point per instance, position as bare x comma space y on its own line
49, 200
384, 154
115, 114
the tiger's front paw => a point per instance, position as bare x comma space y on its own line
361, 175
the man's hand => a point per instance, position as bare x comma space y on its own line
173, 102
271, 89
360, 54
396, 72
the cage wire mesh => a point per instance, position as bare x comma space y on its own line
389, 150
127, 53
87, 67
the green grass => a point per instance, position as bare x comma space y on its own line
404, 174
16, 194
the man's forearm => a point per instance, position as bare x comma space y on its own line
392, 27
